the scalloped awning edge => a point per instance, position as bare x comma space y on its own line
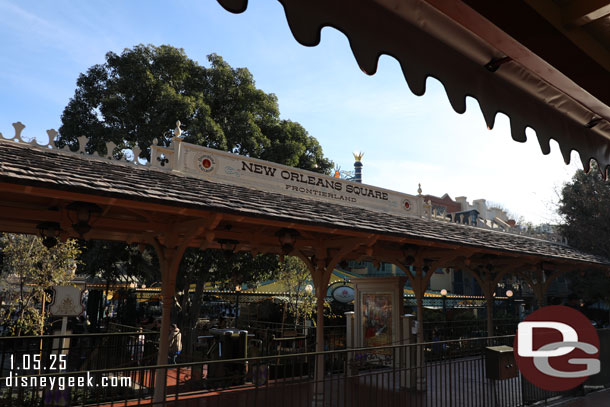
427, 43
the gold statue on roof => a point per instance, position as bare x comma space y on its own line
358, 155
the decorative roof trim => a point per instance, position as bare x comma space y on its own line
177, 158
129, 156
49, 170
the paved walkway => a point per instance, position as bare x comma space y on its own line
449, 384
596, 399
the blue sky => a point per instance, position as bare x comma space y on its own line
406, 139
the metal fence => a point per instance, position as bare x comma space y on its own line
454, 329
33, 354
270, 333
454, 375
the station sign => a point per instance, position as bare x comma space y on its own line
67, 301
223, 167
343, 293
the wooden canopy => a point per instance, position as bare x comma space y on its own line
44, 190
137, 203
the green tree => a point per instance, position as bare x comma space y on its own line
584, 207
28, 269
138, 96
116, 262
301, 304
125, 262
224, 269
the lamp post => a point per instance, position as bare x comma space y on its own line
228, 247
444, 296
237, 290
82, 212
308, 291
509, 294
287, 238
49, 231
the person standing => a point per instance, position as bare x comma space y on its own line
175, 343
137, 346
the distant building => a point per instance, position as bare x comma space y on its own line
478, 213
443, 205
461, 211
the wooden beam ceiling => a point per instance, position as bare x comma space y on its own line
570, 18
580, 12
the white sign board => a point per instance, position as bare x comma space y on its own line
343, 293
67, 301
227, 168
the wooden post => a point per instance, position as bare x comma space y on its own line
321, 266
44, 300
489, 300
484, 276
64, 330
321, 285
170, 255
419, 282
169, 269
419, 288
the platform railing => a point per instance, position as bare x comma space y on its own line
453, 375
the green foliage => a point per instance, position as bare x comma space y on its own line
138, 96
224, 269
296, 277
115, 261
228, 270
584, 207
28, 269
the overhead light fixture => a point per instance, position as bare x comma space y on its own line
49, 231
83, 211
408, 253
287, 238
228, 246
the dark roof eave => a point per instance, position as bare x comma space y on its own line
37, 168
423, 39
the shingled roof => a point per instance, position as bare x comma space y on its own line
52, 169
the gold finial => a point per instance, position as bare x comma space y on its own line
177, 130
419, 189
358, 155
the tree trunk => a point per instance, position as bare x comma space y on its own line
183, 317
193, 317
283, 319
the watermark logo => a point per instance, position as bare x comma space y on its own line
557, 348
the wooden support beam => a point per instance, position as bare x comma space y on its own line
569, 22
170, 248
581, 12
321, 265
